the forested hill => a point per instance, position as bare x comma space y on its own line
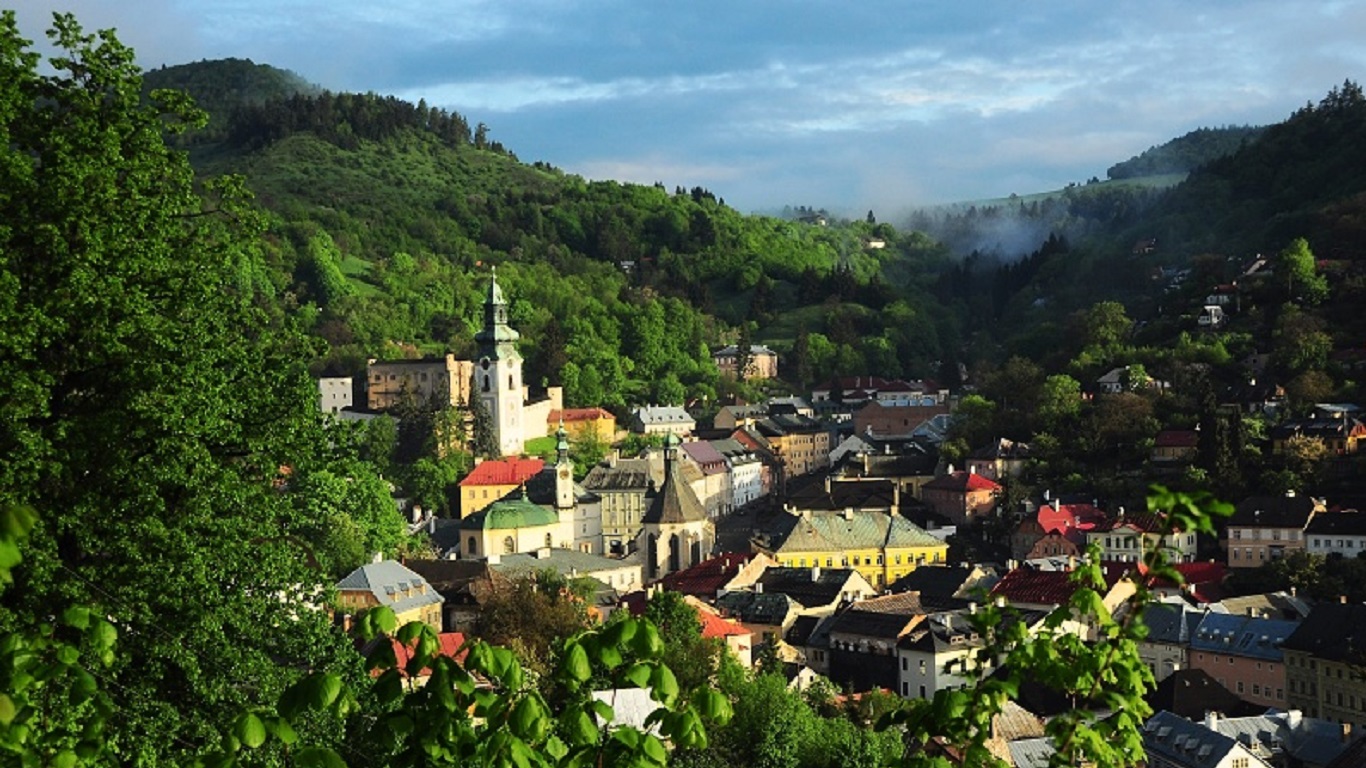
385, 216
1184, 154
224, 85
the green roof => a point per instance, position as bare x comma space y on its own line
510, 512
834, 531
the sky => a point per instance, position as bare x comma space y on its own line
850, 106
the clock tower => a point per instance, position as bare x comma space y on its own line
498, 372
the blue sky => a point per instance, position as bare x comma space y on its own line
845, 105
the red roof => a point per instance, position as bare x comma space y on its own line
1177, 438
1026, 585
707, 577
1068, 517
715, 626
578, 414
452, 645
1204, 581
504, 472
962, 481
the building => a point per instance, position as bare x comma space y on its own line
620, 484
1337, 533
512, 525
1339, 432
584, 424
335, 394
882, 547
1266, 528
762, 364
715, 492
1243, 653
961, 496
493, 479
1125, 537
620, 574
392, 585
941, 653
747, 478
1003, 458
392, 383
862, 640
1325, 663
675, 531
880, 420
662, 420
1170, 627
1175, 446
1175, 742
498, 374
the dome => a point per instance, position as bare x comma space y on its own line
513, 512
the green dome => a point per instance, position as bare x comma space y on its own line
516, 512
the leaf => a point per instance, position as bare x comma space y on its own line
250, 730
318, 757
7, 709
638, 675
576, 664
665, 684
281, 729
77, 616
384, 619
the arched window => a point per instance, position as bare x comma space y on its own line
509, 546
510, 381
472, 546
486, 382
549, 542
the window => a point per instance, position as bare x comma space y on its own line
509, 545
1240, 686
549, 542
471, 546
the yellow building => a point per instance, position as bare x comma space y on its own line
882, 547
394, 585
581, 422
493, 479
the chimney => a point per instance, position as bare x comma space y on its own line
758, 587
493, 559
1290, 493
1293, 718
1212, 720
543, 553
815, 573
1054, 503
378, 557
1341, 598
1293, 590
848, 514
1346, 732
972, 607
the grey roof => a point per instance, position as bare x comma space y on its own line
1181, 742
663, 414
675, 502
1173, 623
1271, 605
1347, 523
828, 531
393, 585
1031, 753
626, 475
1333, 632
566, 562
758, 607
1194, 693
1249, 636
1307, 739
945, 581
812, 587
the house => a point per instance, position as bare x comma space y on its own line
1175, 742
396, 382
1325, 663
715, 487
1043, 590
1286, 738
1340, 432
1126, 537
392, 585
882, 547
815, 589
946, 583
856, 390
1243, 653
733, 416
449, 644
620, 574
464, 585
910, 471
335, 393
880, 420
1172, 446
737, 638
1003, 458
767, 616
862, 640
662, 419
584, 423
963, 497
1192, 693
620, 485
1337, 533
493, 479
762, 363
942, 652
748, 479
717, 575
1170, 626
1266, 528
799, 444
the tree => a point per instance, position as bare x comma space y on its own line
485, 441
152, 400
744, 352
692, 657
1296, 266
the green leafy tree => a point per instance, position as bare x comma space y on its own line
485, 442
1297, 268
152, 401
693, 657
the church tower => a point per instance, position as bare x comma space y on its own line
564, 473
498, 372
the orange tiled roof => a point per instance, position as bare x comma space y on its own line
504, 472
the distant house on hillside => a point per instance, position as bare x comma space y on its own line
763, 362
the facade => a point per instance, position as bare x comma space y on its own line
581, 423
662, 420
1243, 654
335, 393
391, 584
1337, 533
1341, 433
675, 531
514, 525
620, 484
395, 382
763, 362
800, 445
498, 373
862, 640
715, 486
1126, 537
1174, 446
1003, 458
961, 496
746, 473
882, 547
491, 480
622, 574
1325, 666
885, 420
1266, 528
1166, 648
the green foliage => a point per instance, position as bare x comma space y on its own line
1185, 154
